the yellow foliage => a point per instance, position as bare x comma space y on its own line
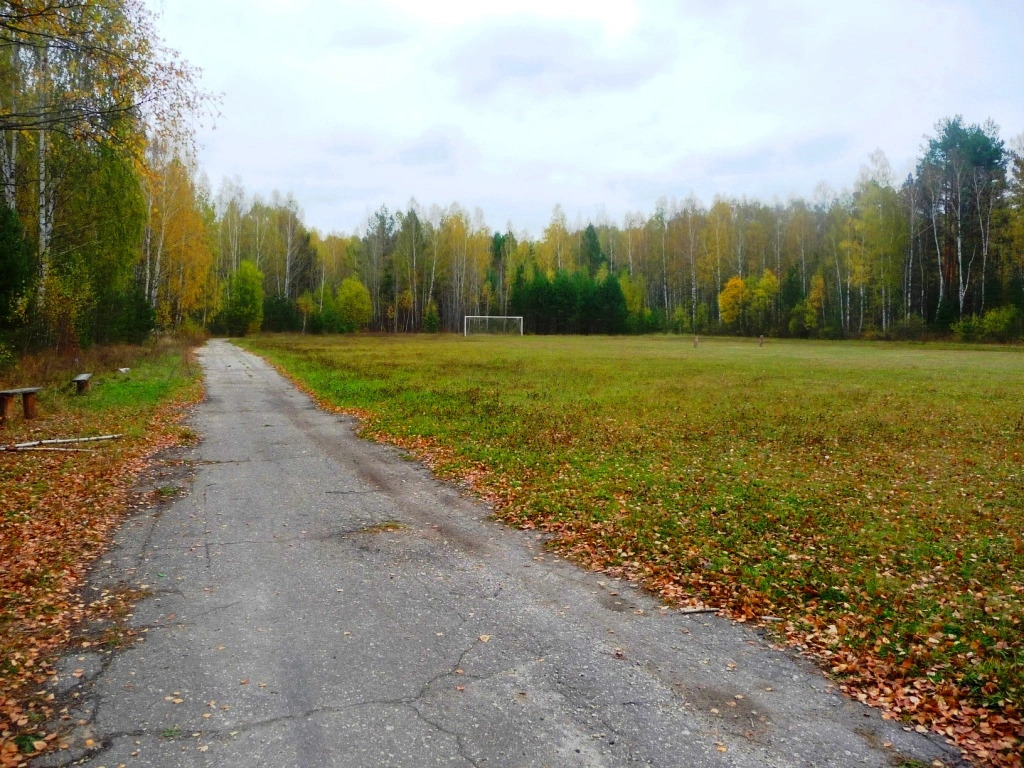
178, 250
733, 300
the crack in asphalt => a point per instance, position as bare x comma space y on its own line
215, 609
460, 742
206, 526
245, 543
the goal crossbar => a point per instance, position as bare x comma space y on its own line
499, 324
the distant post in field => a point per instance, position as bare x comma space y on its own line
696, 341
760, 340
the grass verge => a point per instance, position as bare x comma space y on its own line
865, 501
60, 506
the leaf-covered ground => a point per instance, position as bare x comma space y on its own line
59, 507
864, 502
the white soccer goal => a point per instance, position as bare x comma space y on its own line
499, 324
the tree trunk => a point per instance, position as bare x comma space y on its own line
984, 226
664, 268
938, 253
433, 269
44, 202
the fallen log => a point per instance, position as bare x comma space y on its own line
56, 441
47, 448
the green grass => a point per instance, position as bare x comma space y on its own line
128, 397
870, 494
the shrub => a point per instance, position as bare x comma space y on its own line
871, 333
996, 325
1000, 324
967, 328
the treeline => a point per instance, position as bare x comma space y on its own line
109, 230
940, 252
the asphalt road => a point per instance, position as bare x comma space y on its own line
318, 600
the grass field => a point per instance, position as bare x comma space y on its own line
868, 499
57, 508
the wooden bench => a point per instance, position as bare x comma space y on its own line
28, 402
81, 381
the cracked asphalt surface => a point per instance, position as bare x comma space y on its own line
318, 600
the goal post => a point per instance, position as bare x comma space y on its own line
509, 325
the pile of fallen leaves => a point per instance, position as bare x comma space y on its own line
991, 736
59, 509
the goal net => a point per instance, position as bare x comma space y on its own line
497, 324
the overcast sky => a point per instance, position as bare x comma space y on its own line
602, 106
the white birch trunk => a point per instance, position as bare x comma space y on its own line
984, 225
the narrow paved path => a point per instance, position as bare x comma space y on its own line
317, 600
